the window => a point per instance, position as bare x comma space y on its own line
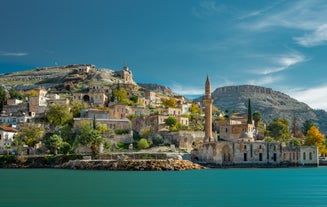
260, 147
275, 148
284, 156
275, 157
310, 155
260, 156
226, 130
245, 157
0, 136
304, 155
244, 147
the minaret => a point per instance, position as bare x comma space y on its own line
208, 112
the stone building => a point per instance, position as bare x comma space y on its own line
236, 128
38, 104
127, 75
92, 98
120, 111
245, 151
6, 137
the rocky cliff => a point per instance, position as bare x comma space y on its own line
157, 88
271, 104
57, 76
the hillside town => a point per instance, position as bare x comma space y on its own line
103, 117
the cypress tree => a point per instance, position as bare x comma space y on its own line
249, 112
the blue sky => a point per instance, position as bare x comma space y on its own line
277, 44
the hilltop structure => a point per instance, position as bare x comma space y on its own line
240, 152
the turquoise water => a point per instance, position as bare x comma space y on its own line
219, 187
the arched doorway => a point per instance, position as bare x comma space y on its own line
86, 98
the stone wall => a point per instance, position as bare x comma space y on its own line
183, 139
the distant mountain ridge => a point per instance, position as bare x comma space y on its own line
271, 104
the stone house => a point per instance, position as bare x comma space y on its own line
91, 113
157, 122
16, 119
113, 124
55, 99
38, 104
6, 137
14, 101
235, 129
121, 111
92, 98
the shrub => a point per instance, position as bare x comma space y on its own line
143, 144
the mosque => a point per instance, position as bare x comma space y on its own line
246, 151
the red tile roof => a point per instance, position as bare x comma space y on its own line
7, 129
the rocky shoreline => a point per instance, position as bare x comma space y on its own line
131, 165
80, 162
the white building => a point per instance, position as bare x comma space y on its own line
6, 137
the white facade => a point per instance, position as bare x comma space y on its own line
6, 137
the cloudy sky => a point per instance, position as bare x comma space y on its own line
278, 44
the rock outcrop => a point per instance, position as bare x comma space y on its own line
132, 165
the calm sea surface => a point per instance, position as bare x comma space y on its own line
219, 187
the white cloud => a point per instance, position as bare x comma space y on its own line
258, 12
281, 63
15, 54
317, 37
315, 97
308, 16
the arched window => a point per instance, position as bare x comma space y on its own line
304, 156
310, 155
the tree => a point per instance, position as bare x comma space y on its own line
257, 118
306, 126
278, 129
249, 112
195, 109
76, 108
90, 137
3, 97
315, 138
170, 121
120, 95
54, 143
295, 142
143, 144
157, 139
134, 99
15, 94
169, 102
30, 135
58, 115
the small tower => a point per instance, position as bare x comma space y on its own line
208, 112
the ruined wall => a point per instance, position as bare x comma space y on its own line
182, 139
